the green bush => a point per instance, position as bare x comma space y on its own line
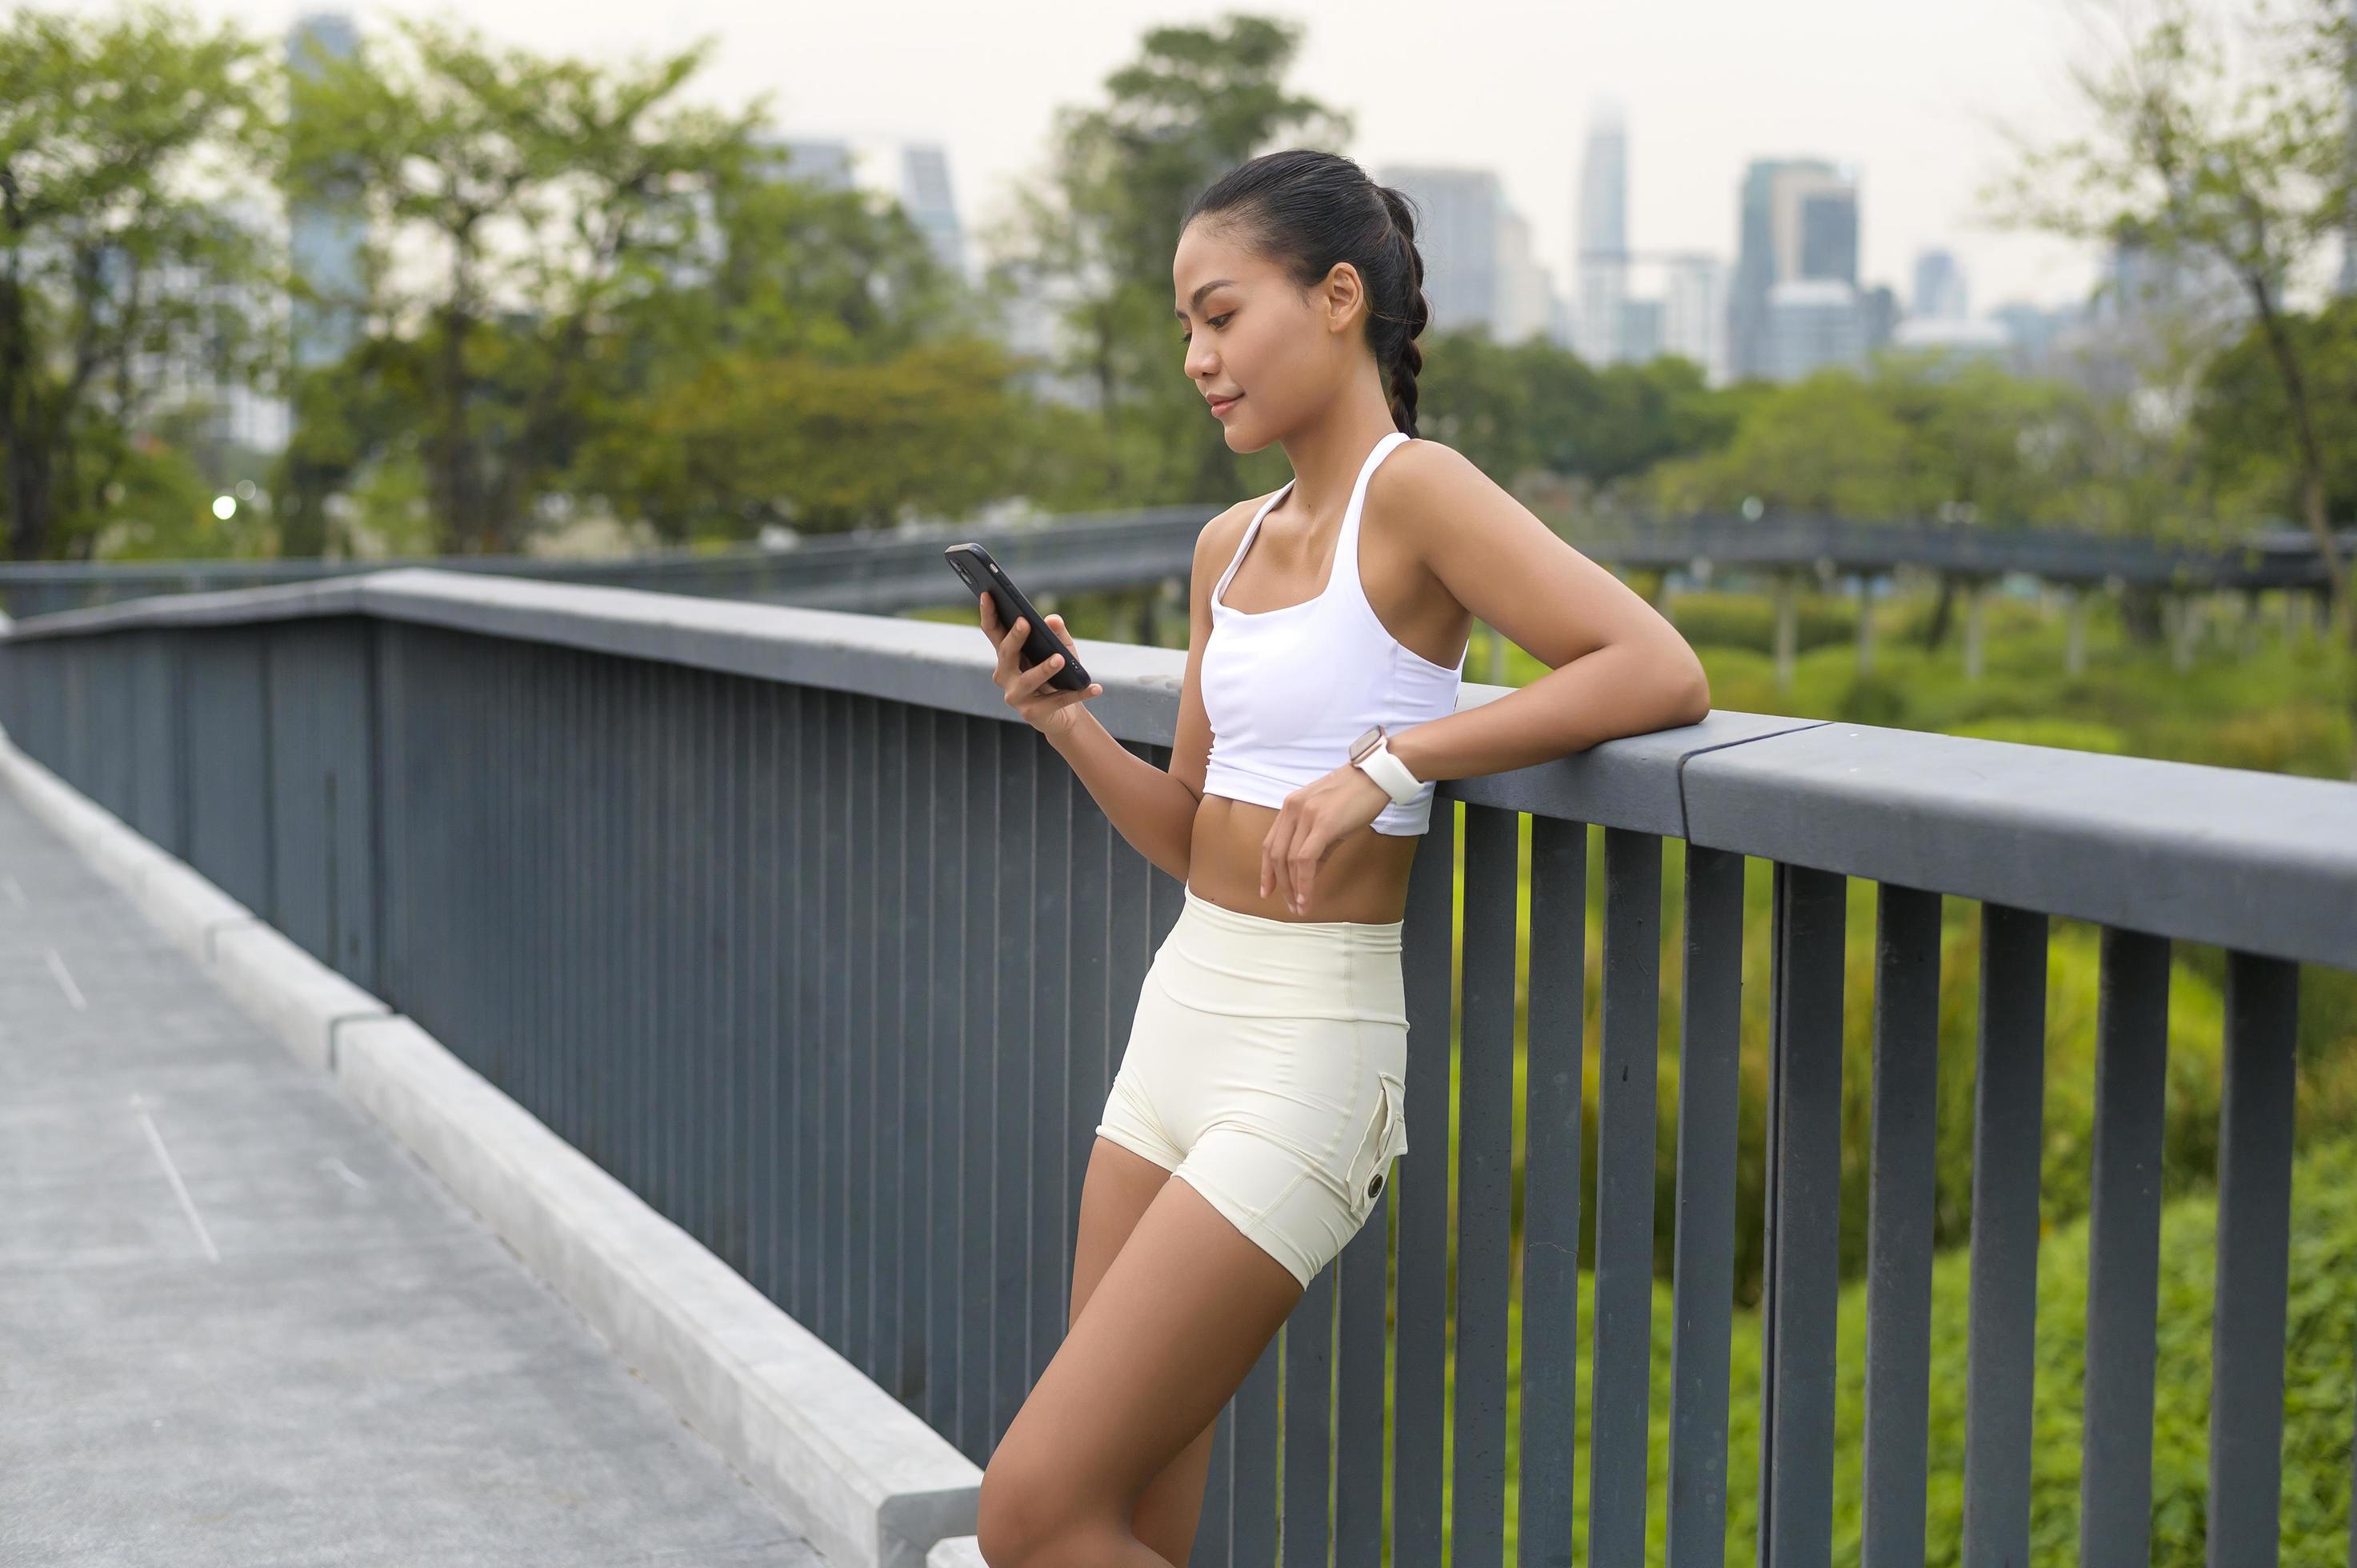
1874, 699
2320, 1393
2307, 738
2075, 734
1748, 620
2328, 1081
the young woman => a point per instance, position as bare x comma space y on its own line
1327, 642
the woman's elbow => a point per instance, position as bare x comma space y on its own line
1691, 702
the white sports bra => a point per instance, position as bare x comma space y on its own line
1286, 690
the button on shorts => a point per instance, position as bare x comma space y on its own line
1266, 1067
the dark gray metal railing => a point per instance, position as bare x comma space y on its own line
879, 571
779, 916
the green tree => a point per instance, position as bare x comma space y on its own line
818, 369
2237, 159
1924, 436
1825, 444
1535, 405
1097, 232
117, 256
551, 191
741, 440
2239, 414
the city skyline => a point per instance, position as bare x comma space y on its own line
1910, 101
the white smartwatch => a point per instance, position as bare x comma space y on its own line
1371, 754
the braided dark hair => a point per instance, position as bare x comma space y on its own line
1312, 210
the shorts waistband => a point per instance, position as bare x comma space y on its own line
1224, 960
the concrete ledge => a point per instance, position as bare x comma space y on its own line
191, 911
868, 1482
957, 1551
296, 996
864, 1478
71, 815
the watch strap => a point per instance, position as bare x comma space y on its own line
1391, 773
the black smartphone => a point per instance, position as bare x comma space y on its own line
982, 576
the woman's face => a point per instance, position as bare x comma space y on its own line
1250, 334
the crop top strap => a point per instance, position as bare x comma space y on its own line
1346, 548
1245, 544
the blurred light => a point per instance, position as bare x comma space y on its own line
245, 490
224, 506
1752, 508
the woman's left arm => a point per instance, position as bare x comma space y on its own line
1615, 666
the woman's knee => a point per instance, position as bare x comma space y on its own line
1027, 1516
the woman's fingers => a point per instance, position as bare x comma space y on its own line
1305, 871
1040, 673
1010, 662
1027, 690
1290, 857
1273, 849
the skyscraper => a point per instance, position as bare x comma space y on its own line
1460, 219
2155, 300
2348, 282
1524, 291
915, 174
925, 193
1811, 323
1939, 288
325, 233
1817, 227
823, 162
1798, 224
1694, 312
1601, 265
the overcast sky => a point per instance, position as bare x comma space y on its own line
1912, 92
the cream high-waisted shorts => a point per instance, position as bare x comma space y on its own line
1266, 1067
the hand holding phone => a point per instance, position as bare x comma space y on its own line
1037, 669
1031, 689
984, 574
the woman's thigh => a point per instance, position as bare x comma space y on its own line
1174, 1323
1115, 1189
1115, 1192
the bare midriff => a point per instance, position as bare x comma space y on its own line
1363, 876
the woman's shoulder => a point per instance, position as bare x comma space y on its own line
1419, 461
1421, 482
1219, 538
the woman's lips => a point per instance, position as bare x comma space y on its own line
1221, 405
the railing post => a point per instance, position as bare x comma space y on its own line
2254, 1260
1801, 1288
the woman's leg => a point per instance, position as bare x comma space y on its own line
1172, 1325
1114, 1194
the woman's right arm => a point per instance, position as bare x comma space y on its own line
1151, 808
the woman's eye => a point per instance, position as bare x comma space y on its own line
1208, 321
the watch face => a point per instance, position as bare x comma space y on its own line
1365, 743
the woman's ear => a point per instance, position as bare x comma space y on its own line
1344, 293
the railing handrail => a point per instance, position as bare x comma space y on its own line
670, 558
2260, 559
2262, 863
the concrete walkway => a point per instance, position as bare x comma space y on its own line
240, 1326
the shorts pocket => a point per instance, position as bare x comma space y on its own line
1384, 1138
